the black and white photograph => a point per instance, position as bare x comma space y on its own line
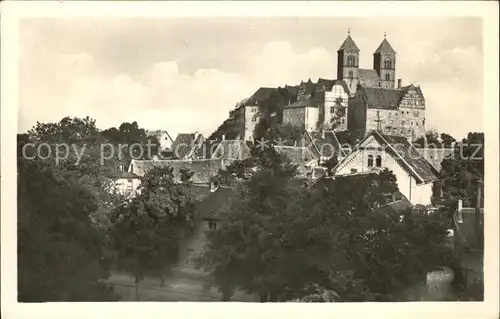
259, 158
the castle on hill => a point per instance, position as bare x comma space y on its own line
359, 100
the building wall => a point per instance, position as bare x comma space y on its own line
356, 115
239, 120
294, 116
251, 120
311, 116
330, 98
343, 71
416, 194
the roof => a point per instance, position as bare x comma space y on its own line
435, 156
232, 150
296, 155
368, 77
349, 45
300, 103
409, 158
382, 98
203, 170
326, 145
396, 207
262, 94
385, 47
183, 144
330, 83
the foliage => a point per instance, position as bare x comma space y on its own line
274, 133
278, 237
147, 230
68, 130
60, 252
460, 174
433, 139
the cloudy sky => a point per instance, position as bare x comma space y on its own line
185, 75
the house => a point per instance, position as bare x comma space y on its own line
319, 104
163, 138
186, 145
377, 151
300, 156
393, 111
228, 151
328, 144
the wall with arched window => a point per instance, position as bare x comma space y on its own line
387, 64
351, 60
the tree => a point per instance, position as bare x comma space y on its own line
429, 140
61, 253
278, 237
338, 115
68, 130
274, 133
147, 230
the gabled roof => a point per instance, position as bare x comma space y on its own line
183, 144
368, 77
262, 94
203, 170
382, 98
326, 145
385, 47
348, 45
330, 83
232, 150
296, 155
404, 154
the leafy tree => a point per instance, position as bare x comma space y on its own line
147, 230
430, 139
68, 130
61, 253
278, 238
274, 133
447, 140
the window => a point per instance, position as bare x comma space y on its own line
415, 113
351, 74
387, 77
387, 64
342, 121
332, 109
411, 123
351, 61
378, 161
370, 160
212, 225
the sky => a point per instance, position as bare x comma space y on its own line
185, 74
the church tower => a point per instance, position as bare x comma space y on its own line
384, 62
348, 63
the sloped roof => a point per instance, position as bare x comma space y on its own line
396, 207
232, 150
435, 156
203, 170
326, 145
382, 98
349, 45
408, 157
301, 103
330, 83
296, 155
183, 144
262, 94
385, 47
368, 77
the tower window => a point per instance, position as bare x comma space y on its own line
387, 77
351, 60
378, 162
351, 74
387, 64
370, 160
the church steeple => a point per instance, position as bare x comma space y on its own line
384, 62
348, 62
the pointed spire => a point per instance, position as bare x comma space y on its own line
385, 47
348, 44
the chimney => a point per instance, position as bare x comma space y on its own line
399, 83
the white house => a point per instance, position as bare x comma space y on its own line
376, 151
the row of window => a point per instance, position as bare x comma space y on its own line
415, 113
378, 161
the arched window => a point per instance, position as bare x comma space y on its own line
387, 77
387, 64
370, 160
351, 75
351, 61
378, 162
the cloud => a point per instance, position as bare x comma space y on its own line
55, 83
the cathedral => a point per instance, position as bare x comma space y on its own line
376, 102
